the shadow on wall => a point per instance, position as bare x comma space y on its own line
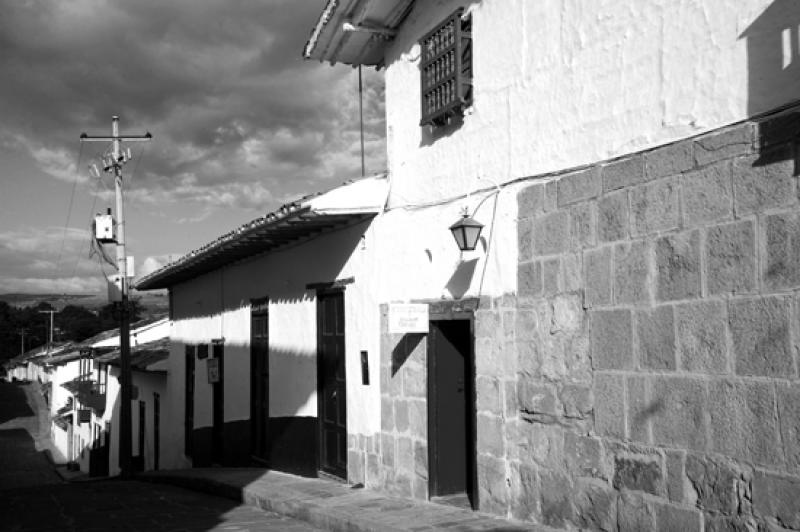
316, 261
773, 67
460, 281
404, 348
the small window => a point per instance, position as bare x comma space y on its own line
446, 70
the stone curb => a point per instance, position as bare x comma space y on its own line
331, 506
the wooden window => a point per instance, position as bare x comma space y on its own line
446, 70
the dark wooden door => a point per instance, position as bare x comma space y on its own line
139, 460
156, 430
218, 409
259, 384
332, 384
188, 419
451, 408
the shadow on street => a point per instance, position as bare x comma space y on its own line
13, 403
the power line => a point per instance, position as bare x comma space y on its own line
69, 210
80, 257
95, 193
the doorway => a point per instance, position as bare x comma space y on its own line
451, 412
331, 383
259, 380
218, 406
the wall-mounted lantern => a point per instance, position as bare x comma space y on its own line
466, 231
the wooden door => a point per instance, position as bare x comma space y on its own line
259, 383
331, 383
156, 430
451, 409
218, 408
188, 420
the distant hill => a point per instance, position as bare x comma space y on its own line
155, 301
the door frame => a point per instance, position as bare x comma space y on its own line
329, 290
453, 311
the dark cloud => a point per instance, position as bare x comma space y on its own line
236, 114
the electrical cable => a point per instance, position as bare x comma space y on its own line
131, 204
69, 210
98, 181
488, 240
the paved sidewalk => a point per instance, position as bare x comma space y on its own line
332, 505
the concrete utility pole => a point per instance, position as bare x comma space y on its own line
50, 343
114, 165
22, 341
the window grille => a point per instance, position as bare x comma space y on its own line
446, 69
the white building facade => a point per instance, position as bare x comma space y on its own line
632, 165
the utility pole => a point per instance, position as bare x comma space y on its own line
361, 119
22, 342
114, 165
50, 343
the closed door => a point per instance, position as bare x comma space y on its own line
259, 385
331, 383
156, 430
451, 408
218, 414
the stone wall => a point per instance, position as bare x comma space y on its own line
645, 375
396, 459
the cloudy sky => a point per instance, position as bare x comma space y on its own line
240, 123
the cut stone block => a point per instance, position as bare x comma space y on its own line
678, 266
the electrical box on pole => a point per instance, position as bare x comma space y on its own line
104, 228
115, 281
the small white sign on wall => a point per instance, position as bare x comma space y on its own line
408, 318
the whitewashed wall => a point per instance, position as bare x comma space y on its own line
560, 83
59, 395
217, 305
147, 384
563, 83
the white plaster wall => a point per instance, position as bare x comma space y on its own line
150, 333
111, 414
217, 305
59, 437
61, 374
141, 335
561, 83
148, 384
419, 258
172, 411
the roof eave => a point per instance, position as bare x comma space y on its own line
330, 42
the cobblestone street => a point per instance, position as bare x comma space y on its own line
34, 497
